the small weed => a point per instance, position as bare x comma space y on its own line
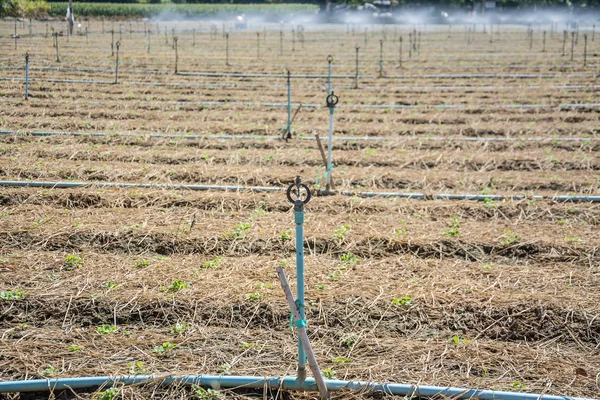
141, 264
571, 239
370, 151
335, 276
254, 296
285, 235
489, 203
163, 348
225, 369
328, 373
108, 394
519, 385
137, 368
487, 266
342, 231
402, 301
320, 287
350, 340
262, 285
178, 328
41, 221
72, 261
247, 346
240, 230
106, 329
204, 394
341, 360
8, 295
399, 231
348, 258
451, 232
50, 371
176, 286
510, 238
74, 348
458, 339
212, 263
110, 285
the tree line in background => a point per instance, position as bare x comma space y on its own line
148, 8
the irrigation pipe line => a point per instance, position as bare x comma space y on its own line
309, 138
308, 86
437, 107
412, 196
276, 383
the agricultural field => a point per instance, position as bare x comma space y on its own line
121, 280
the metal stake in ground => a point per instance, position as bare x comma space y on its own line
564, 42
331, 101
584, 49
544, 42
117, 63
302, 335
227, 49
112, 42
56, 40
297, 200
26, 76
16, 36
257, 45
572, 44
287, 134
381, 58
356, 73
280, 43
175, 40
329, 60
400, 53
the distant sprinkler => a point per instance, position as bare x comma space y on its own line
444, 14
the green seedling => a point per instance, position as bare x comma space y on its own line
240, 230
370, 151
212, 264
254, 296
348, 258
342, 231
350, 340
458, 339
285, 235
50, 371
110, 285
519, 385
328, 373
335, 276
247, 346
178, 328
341, 360
108, 394
320, 287
262, 285
163, 348
402, 301
74, 348
399, 231
225, 369
510, 238
176, 286
106, 329
141, 264
205, 394
137, 368
452, 232
72, 261
41, 221
8, 295
489, 203
487, 266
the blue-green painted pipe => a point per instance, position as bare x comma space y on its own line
299, 220
417, 196
283, 383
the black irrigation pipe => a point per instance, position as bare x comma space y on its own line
413, 196
310, 138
